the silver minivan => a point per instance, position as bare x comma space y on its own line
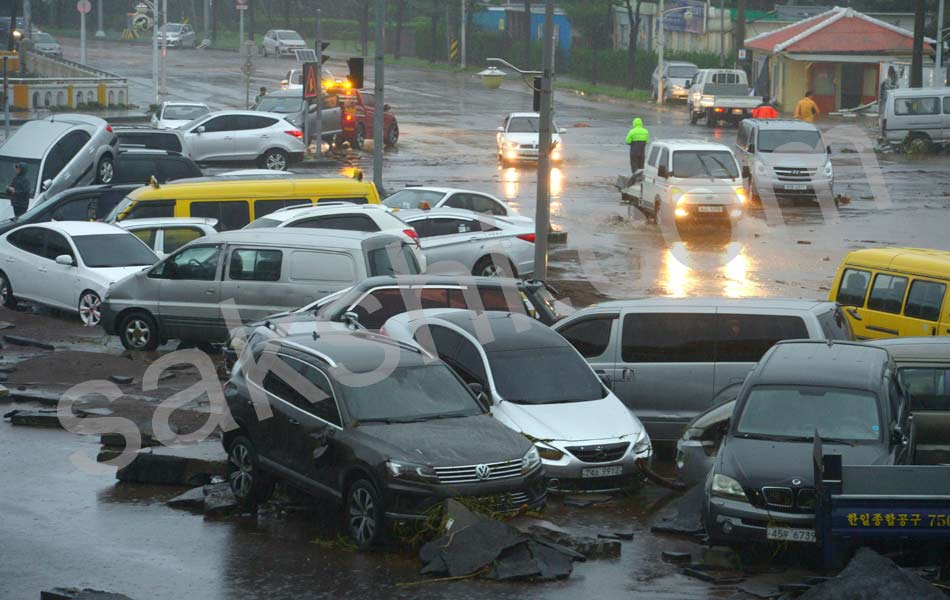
254, 272
669, 359
916, 114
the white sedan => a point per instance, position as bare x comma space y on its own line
282, 42
458, 241
171, 115
68, 265
424, 198
517, 139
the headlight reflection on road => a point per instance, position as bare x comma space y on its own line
510, 179
686, 272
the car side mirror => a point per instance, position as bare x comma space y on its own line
200, 130
897, 436
688, 84
662, 172
65, 259
352, 320
500, 130
47, 184
746, 172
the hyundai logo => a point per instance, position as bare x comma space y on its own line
483, 472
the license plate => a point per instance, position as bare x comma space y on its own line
710, 209
789, 534
796, 186
602, 471
737, 111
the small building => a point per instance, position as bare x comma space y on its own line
838, 54
509, 18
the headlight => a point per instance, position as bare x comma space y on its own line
727, 487
740, 194
510, 145
411, 472
530, 461
829, 171
548, 453
642, 444
677, 195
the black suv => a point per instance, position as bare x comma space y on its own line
140, 165
382, 427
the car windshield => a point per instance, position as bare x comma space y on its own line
563, 376
43, 38
113, 250
280, 104
410, 198
7, 173
718, 164
120, 208
289, 36
171, 28
681, 72
523, 125
797, 412
928, 388
193, 123
410, 394
804, 141
184, 113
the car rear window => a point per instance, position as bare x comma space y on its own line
392, 260
668, 338
835, 325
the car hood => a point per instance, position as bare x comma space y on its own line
755, 463
113, 274
171, 123
448, 442
528, 138
572, 421
792, 159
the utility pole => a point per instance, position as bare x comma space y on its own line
661, 39
155, 27
722, 33
100, 32
379, 102
739, 38
917, 59
28, 19
542, 213
318, 133
82, 37
462, 34
164, 47
940, 76
205, 21
6, 100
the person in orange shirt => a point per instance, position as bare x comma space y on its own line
764, 110
806, 109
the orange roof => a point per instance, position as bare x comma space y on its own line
838, 31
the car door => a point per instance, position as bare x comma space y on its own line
215, 141
449, 243
882, 314
80, 166
852, 292
648, 186
253, 135
53, 166
189, 294
665, 366
368, 104
596, 337
923, 307
61, 284
251, 281
24, 249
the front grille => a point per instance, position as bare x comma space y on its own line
503, 502
806, 498
599, 453
778, 496
795, 175
469, 473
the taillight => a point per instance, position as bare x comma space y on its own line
528, 237
109, 128
348, 118
296, 133
412, 234
719, 110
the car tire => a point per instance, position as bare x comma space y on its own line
249, 484
105, 170
392, 135
360, 138
494, 266
275, 159
710, 119
7, 299
693, 115
138, 331
90, 308
363, 514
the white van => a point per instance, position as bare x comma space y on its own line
692, 181
919, 113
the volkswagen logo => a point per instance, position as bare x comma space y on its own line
796, 481
483, 472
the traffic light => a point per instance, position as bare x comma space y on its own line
355, 65
324, 57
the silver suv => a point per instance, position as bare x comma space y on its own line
787, 159
256, 273
669, 359
244, 135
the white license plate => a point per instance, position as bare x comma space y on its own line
796, 186
602, 471
737, 111
789, 534
710, 209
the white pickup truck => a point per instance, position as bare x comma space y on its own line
689, 181
720, 95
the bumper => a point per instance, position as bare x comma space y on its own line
735, 521
108, 318
288, 50
571, 474
409, 501
677, 94
295, 157
707, 213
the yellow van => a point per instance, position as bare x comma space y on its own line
236, 202
895, 292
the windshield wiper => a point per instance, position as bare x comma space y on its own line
767, 437
725, 169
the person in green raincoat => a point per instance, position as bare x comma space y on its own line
637, 138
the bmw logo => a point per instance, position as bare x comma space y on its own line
483, 472
796, 481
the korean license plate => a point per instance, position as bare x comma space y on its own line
710, 209
789, 534
796, 186
602, 471
737, 111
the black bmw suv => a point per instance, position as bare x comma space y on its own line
382, 427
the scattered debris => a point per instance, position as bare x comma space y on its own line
721, 557
213, 499
121, 379
181, 465
588, 547
80, 594
6, 325
676, 557
586, 500
684, 516
34, 418
870, 576
714, 575
25, 341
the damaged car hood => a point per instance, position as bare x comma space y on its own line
601, 419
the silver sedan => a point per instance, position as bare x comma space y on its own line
457, 241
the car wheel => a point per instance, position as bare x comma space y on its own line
364, 514
90, 308
275, 160
7, 299
105, 170
249, 484
138, 331
360, 137
693, 115
392, 135
493, 267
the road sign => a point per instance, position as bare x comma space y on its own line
84, 6
240, 4
311, 86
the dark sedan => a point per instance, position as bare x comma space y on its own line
89, 203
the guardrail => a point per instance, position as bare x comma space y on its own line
65, 84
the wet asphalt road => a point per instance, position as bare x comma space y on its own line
61, 526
